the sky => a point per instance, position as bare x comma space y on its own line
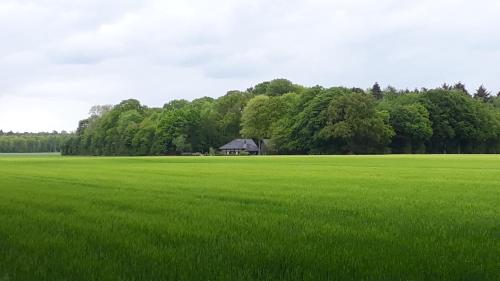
60, 57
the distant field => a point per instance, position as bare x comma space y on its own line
250, 218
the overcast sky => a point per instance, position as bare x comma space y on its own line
60, 57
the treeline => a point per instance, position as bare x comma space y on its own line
300, 120
32, 142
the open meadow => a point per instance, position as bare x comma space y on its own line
250, 218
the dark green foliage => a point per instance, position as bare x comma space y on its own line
355, 126
377, 91
300, 120
446, 87
460, 87
412, 128
228, 110
460, 124
482, 94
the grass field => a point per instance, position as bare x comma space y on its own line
250, 218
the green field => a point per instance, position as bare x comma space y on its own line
250, 218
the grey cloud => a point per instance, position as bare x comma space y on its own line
84, 52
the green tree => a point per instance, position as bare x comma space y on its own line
356, 126
258, 117
181, 144
298, 120
412, 128
496, 101
229, 109
280, 87
455, 123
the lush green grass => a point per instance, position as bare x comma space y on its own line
250, 218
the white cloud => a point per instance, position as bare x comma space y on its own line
58, 54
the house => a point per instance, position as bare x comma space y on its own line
238, 146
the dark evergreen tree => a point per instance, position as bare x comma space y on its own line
460, 87
446, 87
482, 94
377, 91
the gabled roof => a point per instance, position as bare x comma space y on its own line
241, 144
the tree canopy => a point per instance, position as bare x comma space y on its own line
11, 142
300, 120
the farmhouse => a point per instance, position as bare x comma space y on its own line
238, 146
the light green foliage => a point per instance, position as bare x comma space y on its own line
260, 114
250, 218
181, 145
276, 87
32, 142
280, 87
496, 101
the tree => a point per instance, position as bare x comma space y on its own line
456, 123
276, 87
99, 110
32, 142
127, 126
496, 101
173, 123
412, 128
205, 134
280, 87
144, 138
357, 90
298, 120
356, 126
310, 116
377, 91
482, 94
446, 87
181, 144
259, 89
229, 109
390, 90
283, 130
460, 87
259, 115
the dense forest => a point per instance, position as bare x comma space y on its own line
32, 142
300, 120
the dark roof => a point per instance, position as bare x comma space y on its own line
240, 144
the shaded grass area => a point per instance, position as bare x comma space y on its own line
250, 218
